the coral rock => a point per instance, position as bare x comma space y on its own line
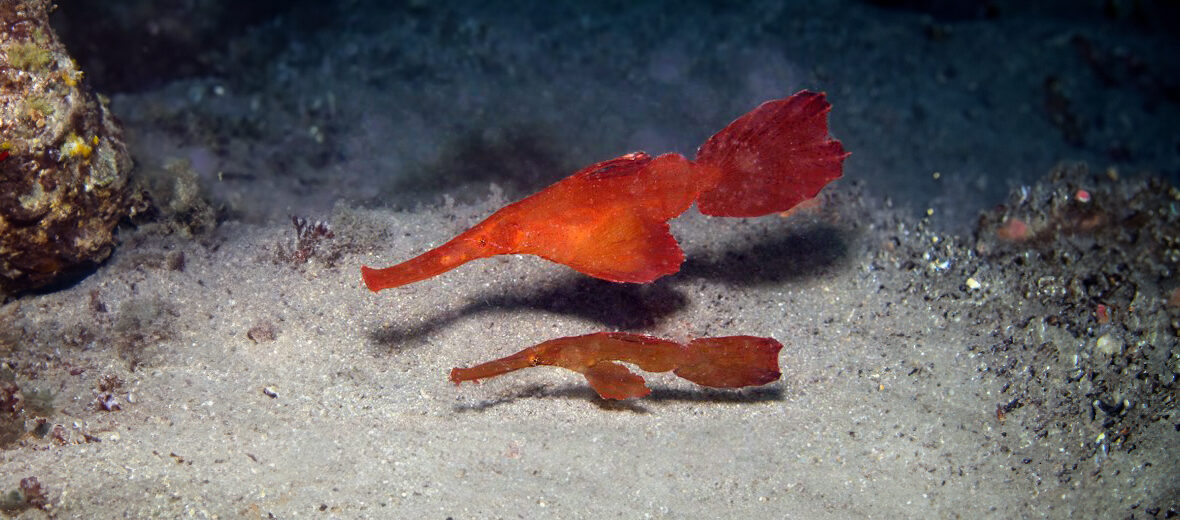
63, 162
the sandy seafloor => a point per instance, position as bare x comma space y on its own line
930, 367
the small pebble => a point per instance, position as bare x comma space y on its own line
262, 332
1110, 344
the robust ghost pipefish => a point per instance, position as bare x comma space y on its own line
610, 220
727, 362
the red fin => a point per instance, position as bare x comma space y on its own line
772, 158
731, 361
622, 166
613, 381
626, 249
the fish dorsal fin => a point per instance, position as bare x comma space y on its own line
621, 166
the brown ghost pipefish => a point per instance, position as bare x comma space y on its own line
610, 220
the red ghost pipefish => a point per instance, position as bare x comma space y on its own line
610, 220
728, 362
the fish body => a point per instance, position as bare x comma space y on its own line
724, 362
610, 219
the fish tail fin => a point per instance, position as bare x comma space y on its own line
772, 158
731, 361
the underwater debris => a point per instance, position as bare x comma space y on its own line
12, 408
107, 403
309, 237
28, 495
1036, 217
262, 332
725, 362
609, 220
105, 400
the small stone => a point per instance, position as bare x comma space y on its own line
1110, 344
262, 332
1014, 230
972, 283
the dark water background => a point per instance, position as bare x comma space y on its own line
394, 103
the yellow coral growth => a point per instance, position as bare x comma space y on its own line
76, 146
72, 77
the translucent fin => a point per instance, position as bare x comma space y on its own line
613, 381
772, 158
731, 361
609, 220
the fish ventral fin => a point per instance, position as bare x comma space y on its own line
609, 220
